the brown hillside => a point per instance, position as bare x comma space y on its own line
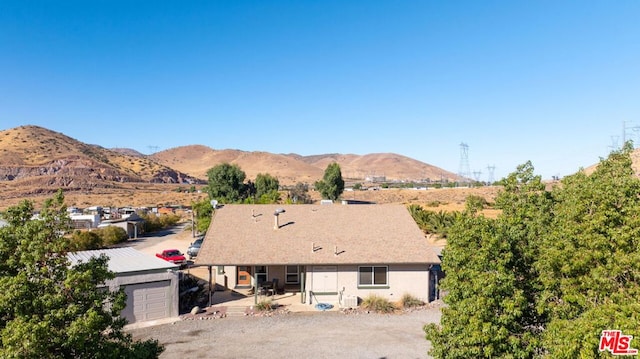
35, 160
196, 160
392, 166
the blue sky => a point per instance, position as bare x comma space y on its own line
553, 82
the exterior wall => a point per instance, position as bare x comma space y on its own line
410, 279
342, 281
123, 280
228, 279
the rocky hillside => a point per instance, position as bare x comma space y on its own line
37, 158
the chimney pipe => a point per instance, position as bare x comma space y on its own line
276, 214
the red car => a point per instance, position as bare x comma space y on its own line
174, 256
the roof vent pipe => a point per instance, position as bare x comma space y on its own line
276, 225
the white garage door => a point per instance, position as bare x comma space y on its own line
147, 301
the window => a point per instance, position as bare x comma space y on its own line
372, 276
292, 275
261, 274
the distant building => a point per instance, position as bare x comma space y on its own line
133, 224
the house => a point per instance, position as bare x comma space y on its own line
132, 224
329, 253
151, 284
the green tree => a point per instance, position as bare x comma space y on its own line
590, 260
226, 183
332, 185
491, 284
50, 309
203, 211
267, 188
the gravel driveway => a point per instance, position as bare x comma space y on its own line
297, 335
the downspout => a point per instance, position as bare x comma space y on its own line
255, 286
210, 287
302, 291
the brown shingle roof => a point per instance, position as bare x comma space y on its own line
245, 235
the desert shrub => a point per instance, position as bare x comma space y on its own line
112, 235
377, 304
409, 301
476, 201
168, 220
153, 222
264, 305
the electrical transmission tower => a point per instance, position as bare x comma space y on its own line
464, 172
476, 175
153, 149
634, 129
614, 144
491, 169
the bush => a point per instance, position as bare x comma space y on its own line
192, 293
409, 301
112, 235
377, 304
85, 240
154, 222
264, 305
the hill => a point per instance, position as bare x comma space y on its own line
197, 160
35, 162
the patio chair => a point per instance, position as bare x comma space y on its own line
273, 289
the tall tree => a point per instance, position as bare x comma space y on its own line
267, 188
590, 260
491, 285
332, 185
50, 309
203, 211
226, 183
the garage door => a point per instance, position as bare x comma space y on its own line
147, 301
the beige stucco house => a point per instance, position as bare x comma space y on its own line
330, 253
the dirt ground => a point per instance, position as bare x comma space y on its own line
297, 335
152, 195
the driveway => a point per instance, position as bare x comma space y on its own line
297, 335
175, 237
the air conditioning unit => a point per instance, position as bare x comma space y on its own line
350, 301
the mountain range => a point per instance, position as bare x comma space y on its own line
36, 160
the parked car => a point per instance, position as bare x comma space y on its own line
174, 256
194, 248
